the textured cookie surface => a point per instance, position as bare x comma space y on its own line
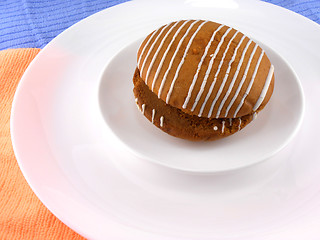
206, 69
180, 124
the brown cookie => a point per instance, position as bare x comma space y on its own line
201, 80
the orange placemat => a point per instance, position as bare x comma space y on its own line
22, 215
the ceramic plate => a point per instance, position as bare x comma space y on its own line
85, 162
267, 135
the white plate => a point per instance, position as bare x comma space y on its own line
83, 173
266, 136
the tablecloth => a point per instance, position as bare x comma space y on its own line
26, 26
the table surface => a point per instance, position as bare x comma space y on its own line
34, 23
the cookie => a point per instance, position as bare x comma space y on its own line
201, 80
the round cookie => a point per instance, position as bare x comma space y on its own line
201, 80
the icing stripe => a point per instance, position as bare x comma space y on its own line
161, 121
239, 126
145, 46
138, 107
222, 128
217, 72
182, 60
242, 80
195, 77
153, 114
254, 115
224, 81
233, 79
168, 48
250, 84
227, 73
230, 121
143, 108
151, 48
208, 71
160, 47
265, 89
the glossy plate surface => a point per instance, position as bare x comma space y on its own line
83, 171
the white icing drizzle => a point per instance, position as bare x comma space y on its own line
138, 107
215, 128
182, 60
207, 75
218, 71
151, 48
265, 89
254, 115
153, 114
168, 48
143, 108
242, 80
227, 73
222, 128
137, 104
239, 126
195, 77
224, 81
230, 121
161, 121
250, 84
233, 79
160, 47
147, 43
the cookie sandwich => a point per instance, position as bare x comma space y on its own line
201, 80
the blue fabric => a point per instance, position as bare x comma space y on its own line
307, 8
34, 23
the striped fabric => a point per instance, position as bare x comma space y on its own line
34, 23
307, 8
